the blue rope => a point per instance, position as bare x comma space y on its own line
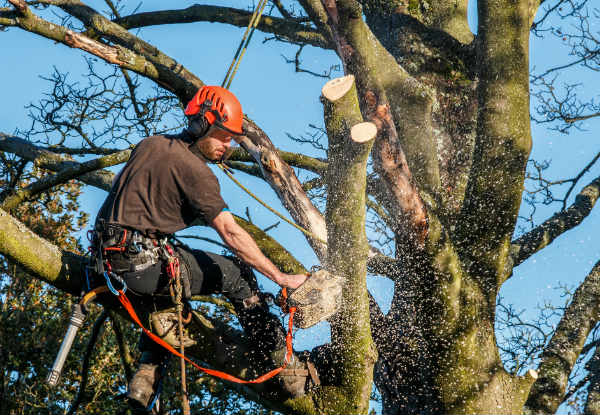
109, 283
87, 279
159, 387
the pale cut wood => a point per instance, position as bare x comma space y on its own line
532, 374
363, 132
337, 88
79, 41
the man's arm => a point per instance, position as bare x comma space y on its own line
242, 244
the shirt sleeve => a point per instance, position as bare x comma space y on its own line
200, 189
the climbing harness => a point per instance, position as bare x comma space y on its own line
114, 284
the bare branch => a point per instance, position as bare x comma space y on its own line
298, 62
63, 176
287, 28
299, 160
540, 237
52, 161
562, 351
582, 117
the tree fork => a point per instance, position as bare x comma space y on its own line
401, 147
350, 143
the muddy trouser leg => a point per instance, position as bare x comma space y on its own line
218, 274
143, 385
145, 283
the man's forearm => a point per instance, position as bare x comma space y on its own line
242, 244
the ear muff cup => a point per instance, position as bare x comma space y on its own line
198, 126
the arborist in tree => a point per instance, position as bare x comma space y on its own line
165, 186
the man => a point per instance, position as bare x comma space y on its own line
167, 185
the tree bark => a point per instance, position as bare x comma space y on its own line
287, 28
350, 142
503, 140
592, 402
560, 355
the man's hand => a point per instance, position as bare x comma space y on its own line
292, 281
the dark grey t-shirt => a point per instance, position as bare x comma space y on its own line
162, 189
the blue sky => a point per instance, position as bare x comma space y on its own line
281, 101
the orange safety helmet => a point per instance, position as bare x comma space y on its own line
219, 106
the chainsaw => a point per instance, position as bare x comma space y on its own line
316, 300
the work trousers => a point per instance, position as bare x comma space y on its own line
208, 273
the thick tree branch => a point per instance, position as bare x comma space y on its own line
401, 147
350, 142
562, 351
450, 17
284, 182
561, 222
131, 53
592, 402
317, 14
38, 256
8, 17
503, 140
287, 28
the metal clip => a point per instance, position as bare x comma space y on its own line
112, 289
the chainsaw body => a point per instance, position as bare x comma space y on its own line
316, 300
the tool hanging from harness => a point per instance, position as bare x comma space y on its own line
111, 242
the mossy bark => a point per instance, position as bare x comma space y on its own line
347, 254
503, 140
